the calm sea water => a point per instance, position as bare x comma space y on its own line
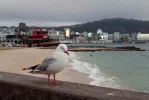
115, 69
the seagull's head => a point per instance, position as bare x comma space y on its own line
62, 48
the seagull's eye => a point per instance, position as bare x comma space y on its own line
62, 48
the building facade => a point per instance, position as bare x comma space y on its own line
141, 36
67, 32
7, 35
110, 36
57, 35
22, 27
116, 36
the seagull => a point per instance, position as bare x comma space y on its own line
52, 64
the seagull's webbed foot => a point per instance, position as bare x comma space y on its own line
54, 83
51, 84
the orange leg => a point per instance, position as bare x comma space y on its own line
49, 80
55, 83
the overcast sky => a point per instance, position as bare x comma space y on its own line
67, 12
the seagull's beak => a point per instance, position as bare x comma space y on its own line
67, 52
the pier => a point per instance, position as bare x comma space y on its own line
93, 49
83, 49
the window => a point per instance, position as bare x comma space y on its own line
38, 32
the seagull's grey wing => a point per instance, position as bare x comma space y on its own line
45, 63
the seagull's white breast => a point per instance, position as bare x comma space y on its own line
59, 64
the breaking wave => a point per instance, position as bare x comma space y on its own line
94, 72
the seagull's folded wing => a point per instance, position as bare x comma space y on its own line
45, 63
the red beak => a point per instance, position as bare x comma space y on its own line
67, 53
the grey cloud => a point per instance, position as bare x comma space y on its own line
61, 12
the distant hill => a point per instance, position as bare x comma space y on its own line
111, 25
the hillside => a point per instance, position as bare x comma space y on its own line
111, 25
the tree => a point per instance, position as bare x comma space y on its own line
26, 40
16, 41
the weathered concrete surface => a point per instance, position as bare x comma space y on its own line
21, 87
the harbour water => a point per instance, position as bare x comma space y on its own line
115, 69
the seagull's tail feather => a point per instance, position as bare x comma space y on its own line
31, 71
30, 68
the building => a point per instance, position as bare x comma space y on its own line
104, 36
116, 36
110, 36
67, 33
94, 37
72, 35
125, 37
7, 38
4, 30
12, 30
13, 39
2, 37
38, 35
99, 31
51, 31
141, 36
7, 35
85, 34
89, 36
22, 27
80, 38
99, 35
56, 35
134, 36
77, 34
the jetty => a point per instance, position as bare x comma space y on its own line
101, 48
83, 49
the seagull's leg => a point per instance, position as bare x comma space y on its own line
55, 83
49, 80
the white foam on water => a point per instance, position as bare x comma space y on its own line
94, 72
146, 91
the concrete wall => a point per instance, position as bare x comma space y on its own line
20, 87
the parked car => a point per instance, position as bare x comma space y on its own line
20, 45
7, 45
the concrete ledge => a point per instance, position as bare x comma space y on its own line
21, 87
